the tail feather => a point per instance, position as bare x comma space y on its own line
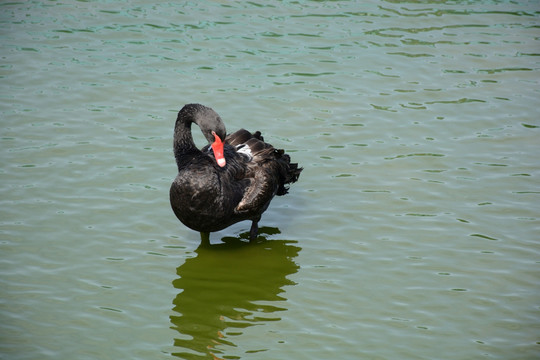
290, 172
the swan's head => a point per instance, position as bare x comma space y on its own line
211, 126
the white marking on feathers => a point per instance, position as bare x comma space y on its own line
244, 150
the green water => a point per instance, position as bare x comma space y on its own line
413, 232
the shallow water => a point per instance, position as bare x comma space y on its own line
412, 233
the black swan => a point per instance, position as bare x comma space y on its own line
231, 179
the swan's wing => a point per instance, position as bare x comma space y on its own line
268, 170
239, 137
264, 182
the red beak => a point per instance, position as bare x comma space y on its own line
217, 147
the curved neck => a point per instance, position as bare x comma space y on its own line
183, 140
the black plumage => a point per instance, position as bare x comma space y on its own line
209, 194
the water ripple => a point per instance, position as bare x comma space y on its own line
417, 127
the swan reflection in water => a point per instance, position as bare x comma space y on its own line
226, 288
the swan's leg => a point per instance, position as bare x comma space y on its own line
254, 230
205, 238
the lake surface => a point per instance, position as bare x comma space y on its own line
413, 232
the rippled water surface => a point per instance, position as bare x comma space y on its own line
413, 232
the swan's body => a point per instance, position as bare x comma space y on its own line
226, 182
